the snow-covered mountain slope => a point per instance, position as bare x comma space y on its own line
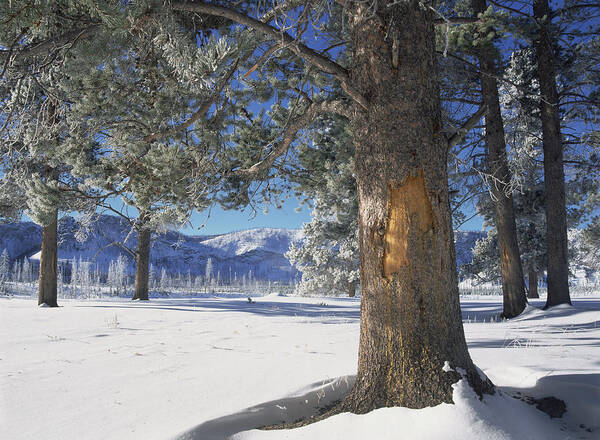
259, 251
256, 251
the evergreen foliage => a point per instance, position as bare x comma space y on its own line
328, 253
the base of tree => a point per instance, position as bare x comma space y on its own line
140, 299
355, 405
363, 399
48, 305
504, 315
323, 413
558, 303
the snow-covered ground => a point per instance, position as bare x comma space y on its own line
209, 368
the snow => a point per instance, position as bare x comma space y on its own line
216, 367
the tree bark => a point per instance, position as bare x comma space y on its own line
47, 288
410, 314
533, 283
513, 285
351, 289
554, 176
142, 264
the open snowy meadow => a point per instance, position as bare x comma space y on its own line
218, 367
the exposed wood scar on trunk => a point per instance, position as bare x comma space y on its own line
409, 214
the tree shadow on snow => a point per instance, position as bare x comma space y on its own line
257, 306
490, 311
309, 402
581, 392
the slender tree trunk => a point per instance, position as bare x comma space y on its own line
554, 176
410, 314
47, 289
513, 285
351, 289
142, 264
533, 283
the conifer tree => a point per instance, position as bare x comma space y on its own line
405, 234
4, 269
33, 107
508, 248
327, 255
565, 47
157, 88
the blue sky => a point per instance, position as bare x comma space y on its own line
220, 221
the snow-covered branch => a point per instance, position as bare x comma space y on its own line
339, 107
301, 50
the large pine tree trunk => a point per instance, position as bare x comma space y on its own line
142, 264
410, 314
533, 283
47, 288
351, 289
554, 176
513, 286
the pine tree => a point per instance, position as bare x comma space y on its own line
497, 164
4, 270
164, 281
405, 234
591, 244
327, 255
33, 108
152, 277
554, 177
121, 274
409, 284
156, 131
208, 271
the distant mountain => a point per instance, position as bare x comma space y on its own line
260, 251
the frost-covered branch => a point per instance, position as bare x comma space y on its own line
339, 107
201, 111
47, 47
298, 48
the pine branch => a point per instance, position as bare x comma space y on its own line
339, 107
47, 47
298, 48
201, 111
263, 58
455, 20
560, 11
508, 8
467, 126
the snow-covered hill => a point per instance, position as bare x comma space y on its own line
259, 251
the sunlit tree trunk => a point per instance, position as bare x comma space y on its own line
47, 289
142, 262
513, 286
533, 283
351, 289
410, 314
554, 176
